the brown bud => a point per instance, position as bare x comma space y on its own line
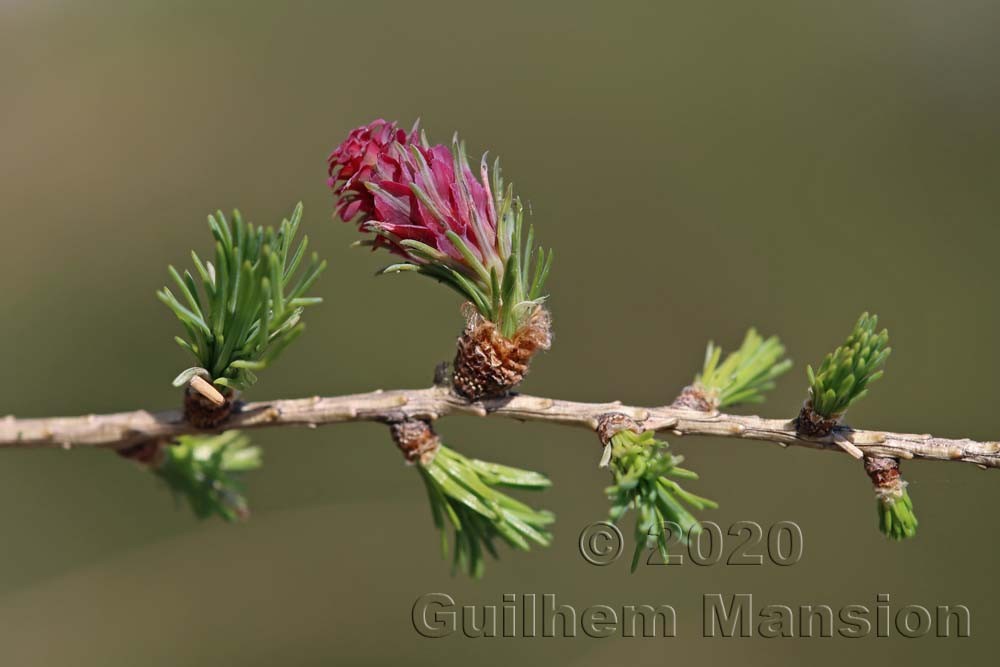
812, 424
202, 412
148, 452
695, 397
487, 364
883, 471
416, 439
614, 422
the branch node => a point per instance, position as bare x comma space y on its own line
201, 409
884, 473
416, 440
612, 422
487, 363
608, 424
812, 424
695, 397
867, 437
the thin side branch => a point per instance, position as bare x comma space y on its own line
124, 429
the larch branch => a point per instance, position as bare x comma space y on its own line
124, 429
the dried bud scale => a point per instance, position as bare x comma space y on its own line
696, 397
488, 364
416, 440
203, 413
884, 473
611, 423
814, 425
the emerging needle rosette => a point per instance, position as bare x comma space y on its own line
424, 204
239, 311
843, 378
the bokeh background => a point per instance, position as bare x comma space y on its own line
698, 169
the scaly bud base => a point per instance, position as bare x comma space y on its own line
696, 397
812, 424
487, 364
416, 439
203, 413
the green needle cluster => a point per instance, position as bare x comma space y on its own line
746, 374
465, 493
642, 469
202, 470
896, 518
250, 302
845, 374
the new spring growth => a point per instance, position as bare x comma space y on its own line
896, 518
424, 203
645, 475
204, 469
845, 374
743, 377
465, 494
242, 309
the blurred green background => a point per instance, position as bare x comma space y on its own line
698, 169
